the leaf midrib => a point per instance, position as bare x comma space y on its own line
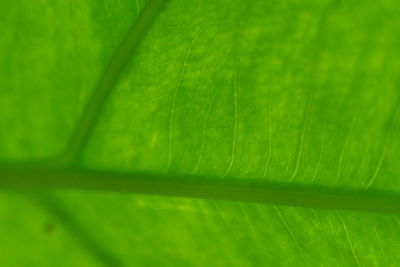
204, 187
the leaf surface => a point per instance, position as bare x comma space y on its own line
273, 102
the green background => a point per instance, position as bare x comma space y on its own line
295, 92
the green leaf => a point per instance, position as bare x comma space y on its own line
194, 133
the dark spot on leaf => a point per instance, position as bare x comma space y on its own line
49, 227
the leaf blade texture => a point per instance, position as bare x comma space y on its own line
219, 100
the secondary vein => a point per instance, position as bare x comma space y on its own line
110, 76
86, 240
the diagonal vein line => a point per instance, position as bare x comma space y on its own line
110, 76
86, 240
90, 115
337, 198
